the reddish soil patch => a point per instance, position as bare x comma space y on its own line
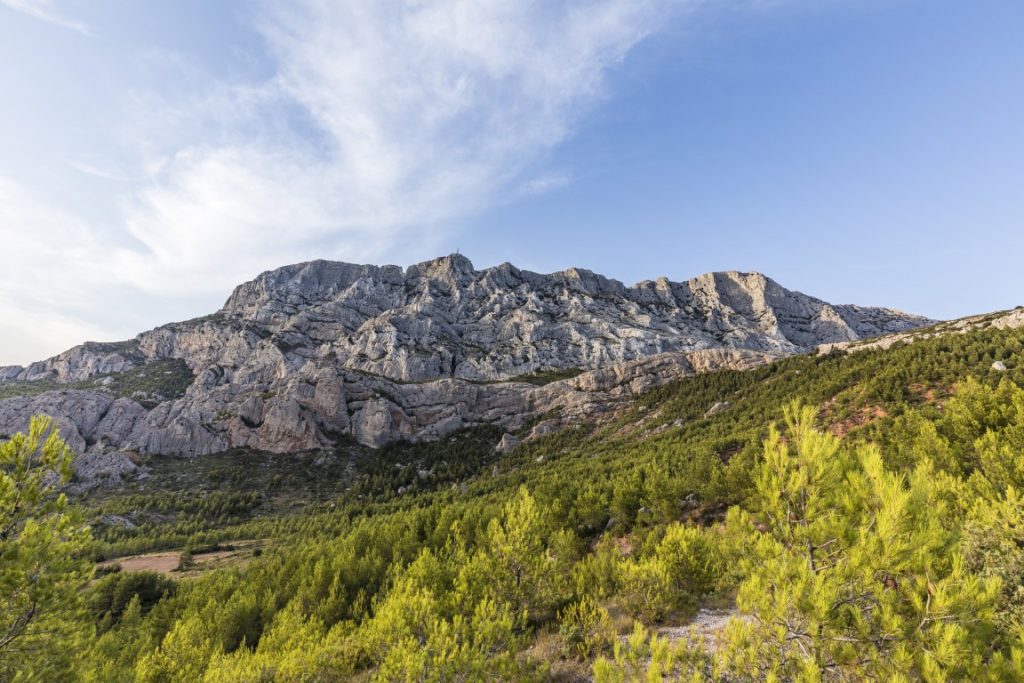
864, 416
930, 394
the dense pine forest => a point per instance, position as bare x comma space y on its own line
855, 516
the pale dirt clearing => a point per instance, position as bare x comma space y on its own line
164, 563
707, 624
167, 562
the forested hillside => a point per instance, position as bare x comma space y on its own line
857, 515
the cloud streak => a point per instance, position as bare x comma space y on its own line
381, 123
402, 116
44, 10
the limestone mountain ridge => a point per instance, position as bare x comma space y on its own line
305, 353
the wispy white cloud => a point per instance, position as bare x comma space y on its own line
54, 280
44, 10
382, 122
545, 182
48, 251
97, 172
403, 116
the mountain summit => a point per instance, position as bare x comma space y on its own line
443, 318
310, 351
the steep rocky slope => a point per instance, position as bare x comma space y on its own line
308, 352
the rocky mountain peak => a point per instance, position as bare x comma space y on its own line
312, 350
295, 286
454, 267
588, 282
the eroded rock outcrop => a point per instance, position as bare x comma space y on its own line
311, 351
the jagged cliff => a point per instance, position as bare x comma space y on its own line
310, 351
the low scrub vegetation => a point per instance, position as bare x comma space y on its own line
892, 552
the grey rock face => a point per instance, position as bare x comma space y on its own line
1001, 320
80, 363
442, 318
311, 351
507, 444
717, 408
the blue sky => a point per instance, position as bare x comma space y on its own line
153, 155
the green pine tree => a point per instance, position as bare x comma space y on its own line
42, 569
851, 574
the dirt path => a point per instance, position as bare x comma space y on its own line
707, 623
167, 562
